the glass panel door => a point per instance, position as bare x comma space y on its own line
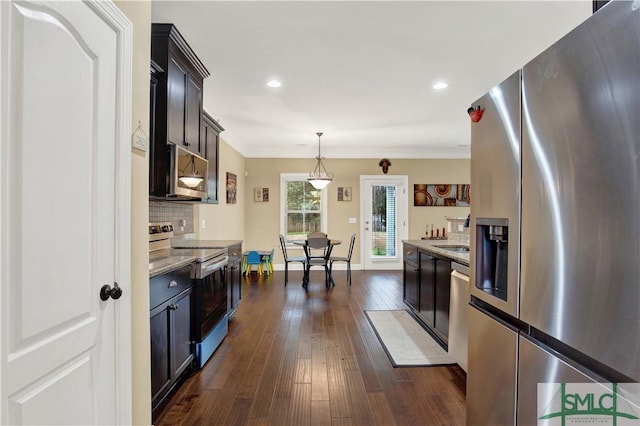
384, 221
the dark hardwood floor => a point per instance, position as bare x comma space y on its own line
296, 357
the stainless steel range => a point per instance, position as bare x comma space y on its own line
209, 311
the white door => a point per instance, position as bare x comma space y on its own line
64, 213
384, 222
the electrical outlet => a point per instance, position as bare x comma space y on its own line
203, 224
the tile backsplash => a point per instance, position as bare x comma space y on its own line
179, 214
457, 231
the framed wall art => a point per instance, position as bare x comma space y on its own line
441, 195
344, 193
261, 194
232, 188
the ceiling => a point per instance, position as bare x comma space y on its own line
361, 72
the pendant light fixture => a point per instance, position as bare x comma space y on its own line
191, 179
320, 178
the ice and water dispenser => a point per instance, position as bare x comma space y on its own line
492, 242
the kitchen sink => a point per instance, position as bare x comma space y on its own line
461, 249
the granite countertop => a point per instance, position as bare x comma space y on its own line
167, 260
184, 252
204, 244
163, 261
431, 245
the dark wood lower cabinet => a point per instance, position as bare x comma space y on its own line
411, 278
435, 285
427, 289
234, 278
172, 349
160, 362
442, 296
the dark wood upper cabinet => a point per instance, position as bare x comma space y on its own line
176, 102
176, 95
210, 140
193, 117
183, 83
157, 169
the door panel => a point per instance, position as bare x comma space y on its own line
160, 368
537, 369
33, 404
411, 279
177, 81
193, 117
495, 179
491, 378
427, 288
181, 332
61, 124
443, 294
581, 190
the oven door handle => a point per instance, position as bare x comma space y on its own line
211, 266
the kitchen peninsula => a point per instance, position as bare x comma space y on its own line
427, 272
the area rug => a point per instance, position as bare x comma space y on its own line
405, 341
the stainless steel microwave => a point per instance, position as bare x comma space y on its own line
188, 174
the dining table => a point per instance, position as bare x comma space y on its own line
303, 243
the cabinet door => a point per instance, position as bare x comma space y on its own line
427, 288
155, 175
234, 283
411, 282
160, 354
177, 88
193, 116
443, 293
182, 345
211, 153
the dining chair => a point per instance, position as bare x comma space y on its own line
346, 259
287, 259
253, 258
318, 251
316, 234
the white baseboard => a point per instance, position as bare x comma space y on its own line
297, 266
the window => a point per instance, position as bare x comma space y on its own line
303, 207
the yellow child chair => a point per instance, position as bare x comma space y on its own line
267, 262
253, 258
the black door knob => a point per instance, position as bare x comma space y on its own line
106, 291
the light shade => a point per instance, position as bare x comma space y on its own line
319, 183
192, 178
191, 181
319, 177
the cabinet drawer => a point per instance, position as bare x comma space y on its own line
410, 253
166, 286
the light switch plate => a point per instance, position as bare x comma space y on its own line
353, 220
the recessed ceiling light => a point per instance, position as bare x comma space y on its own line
440, 85
274, 83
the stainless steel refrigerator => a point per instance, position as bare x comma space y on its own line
555, 238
